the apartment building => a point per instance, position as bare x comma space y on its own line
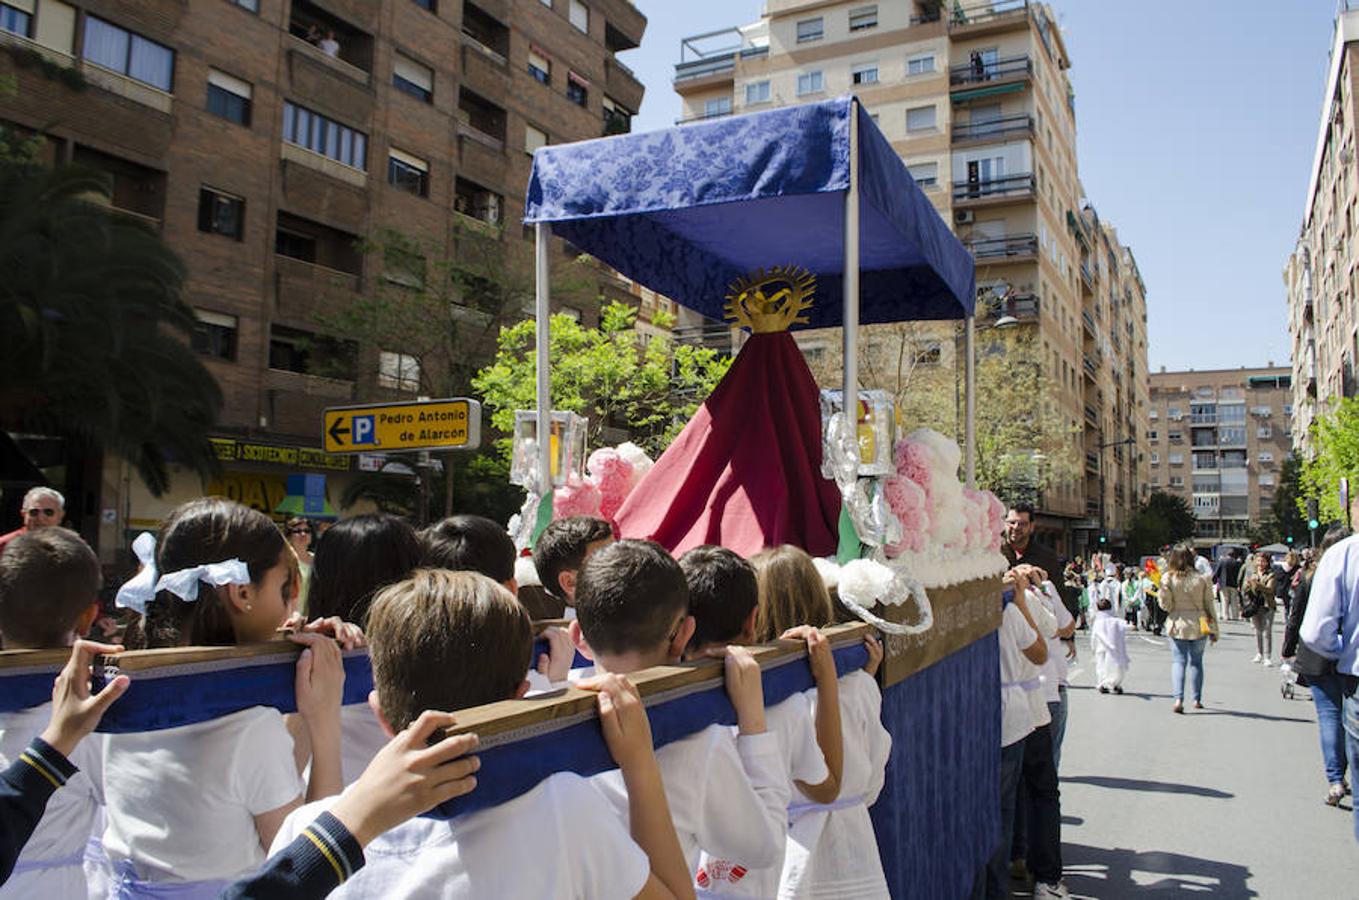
265, 140
1321, 290
976, 100
1218, 439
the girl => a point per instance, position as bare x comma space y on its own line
831, 846
1108, 641
194, 807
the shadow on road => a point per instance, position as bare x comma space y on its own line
1108, 874
1156, 787
1250, 715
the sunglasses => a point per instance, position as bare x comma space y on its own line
299, 531
37, 510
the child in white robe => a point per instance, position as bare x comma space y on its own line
1109, 643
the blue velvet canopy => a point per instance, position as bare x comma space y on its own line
685, 211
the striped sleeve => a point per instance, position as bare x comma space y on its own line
25, 788
317, 861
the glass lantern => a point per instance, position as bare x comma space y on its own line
566, 454
875, 427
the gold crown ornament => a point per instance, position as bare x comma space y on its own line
767, 302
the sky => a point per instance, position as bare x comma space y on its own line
1196, 126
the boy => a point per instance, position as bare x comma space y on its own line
562, 549
49, 582
450, 640
729, 797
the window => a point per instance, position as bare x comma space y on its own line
128, 54
921, 118
1155, 459
288, 348
295, 350
15, 20
1265, 458
533, 139
1153, 436
471, 199
1288, 409
1177, 481
214, 334
318, 134
757, 92
252, 5
863, 18
412, 78
865, 73
718, 106
1151, 413
577, 89
1264, 432
229, 97
571, 313
1175, 413
1234, 436
920, 65
220, 213
925, 174
1176, 459
810, 30
809, 83
430, 5
407, 173
398, 371
1266, 480
404, 265
539, 65
580, 16
927, 353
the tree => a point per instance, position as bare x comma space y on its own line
1159, 520
1284, 518
93, 328
1335, 443
607, 374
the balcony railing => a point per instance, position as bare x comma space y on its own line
1089, 322
981, 13
1000, 129
1089, 365
994, 187
1023, 307
1092, 463
979, 71
1091, 415
1005, 245
702, 117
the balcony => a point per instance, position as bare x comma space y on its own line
303, 288
621, 83
980, 71
311, 28
485, 34
1020, 246
1092, 415
1002, 129
1023, 307
1004, 188
1089, 275
703, 117
1092, 463
710, 59
1088, 321
1089, 366
987, 17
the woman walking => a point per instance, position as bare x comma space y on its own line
1318, 674
1191, 618
1258, 604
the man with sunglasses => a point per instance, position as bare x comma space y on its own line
42, 508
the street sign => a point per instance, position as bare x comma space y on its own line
451, 424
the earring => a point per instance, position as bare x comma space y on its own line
248, 607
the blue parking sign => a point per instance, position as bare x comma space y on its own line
364, 430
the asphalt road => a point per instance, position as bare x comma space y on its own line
1223, 802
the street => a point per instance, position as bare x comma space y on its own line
1226, 801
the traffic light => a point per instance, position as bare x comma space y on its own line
1313, 524
1289, 539
1103, 539
1313, 514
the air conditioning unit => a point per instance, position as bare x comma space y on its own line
1346, 156
963, 217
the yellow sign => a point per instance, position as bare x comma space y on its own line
304, 457
452, 424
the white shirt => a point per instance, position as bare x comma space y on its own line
1016, 717
361, 737
1055, 669
329, 46
182, 801
833, 853
561, 839
793, 723
727, 796
68, 821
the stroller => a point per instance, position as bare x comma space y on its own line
1288, 681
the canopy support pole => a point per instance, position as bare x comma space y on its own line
542, 312
850, 326
970, 435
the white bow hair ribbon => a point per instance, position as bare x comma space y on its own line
142, 587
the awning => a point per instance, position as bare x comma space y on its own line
993, 91
685, 211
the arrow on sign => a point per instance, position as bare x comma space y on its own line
336, 431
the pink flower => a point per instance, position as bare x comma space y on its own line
575, 498
908, 503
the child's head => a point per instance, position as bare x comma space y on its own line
1103, 604
562, 549
470, 544
213, 530
792, 592
632, 607
446, 640
723, 596
49, 585
355, 559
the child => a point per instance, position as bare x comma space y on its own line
729, 797
1108, 641
562, 549
793, 594
192, 808
354, 560
450, 640
1132, 596
49, 585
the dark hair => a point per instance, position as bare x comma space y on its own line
1334, 535
469, 544
1103, 603
445, 640
628, 596
1023, 507
208, 530
48, 577
562, 545
355, 559
723, 591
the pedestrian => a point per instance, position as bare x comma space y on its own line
1020, 547
1190, 619
1225, 576
42, 508
1318, 674
1285, 575
1132, 595
1109, 644
298, 533
1258, 605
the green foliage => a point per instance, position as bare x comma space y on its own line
1335, 443
93, 328
1285, 516
1159, 520
607, 374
